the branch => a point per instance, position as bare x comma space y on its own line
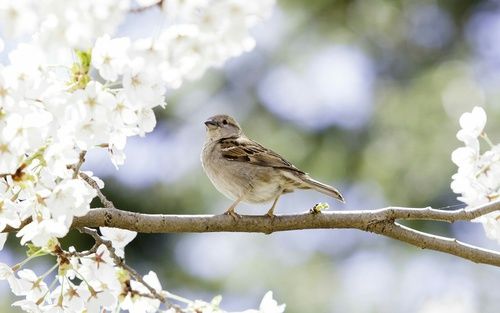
381, 221
439, 243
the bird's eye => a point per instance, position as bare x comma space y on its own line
224, 122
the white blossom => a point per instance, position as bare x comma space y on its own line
98, 300
58, 155
62, 23
40, 232
5, 271
17, 286
118, 237
142, 86
18, 17
109, 56
32, 286
491, 224
29, 306
473, 123
9, 156
24, 131
137, 304
145, 3
268, 305
98, 266
477, 178
8, 215
53, 107
3, 238
73, 299
70, 198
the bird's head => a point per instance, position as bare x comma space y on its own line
222, 126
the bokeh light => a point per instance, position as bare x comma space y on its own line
363, 95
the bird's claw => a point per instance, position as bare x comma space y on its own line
270, 215
233, 214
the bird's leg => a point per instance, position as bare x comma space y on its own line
270, 213
230, 211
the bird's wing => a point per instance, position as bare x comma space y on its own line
242, 149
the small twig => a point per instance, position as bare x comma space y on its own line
139, 278
142, 9
85, 253
77, 166
107, 203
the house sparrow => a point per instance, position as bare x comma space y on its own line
245, 171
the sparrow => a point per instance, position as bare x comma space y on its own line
245, 171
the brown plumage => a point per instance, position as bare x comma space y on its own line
244, 170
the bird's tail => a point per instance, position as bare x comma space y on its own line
323, 188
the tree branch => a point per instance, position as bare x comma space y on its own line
381, 221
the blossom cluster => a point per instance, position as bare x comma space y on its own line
197, 34
59, 24
69, 87
94, 281
477, 178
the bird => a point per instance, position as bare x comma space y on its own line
245, 171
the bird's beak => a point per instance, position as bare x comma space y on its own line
211, 124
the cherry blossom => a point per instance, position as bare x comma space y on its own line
32, 286
98, 266
472, 123
137, 304
8, 215
476, 179
110, 56
268, 305
118, 237
3, 238
40, 232
71, 86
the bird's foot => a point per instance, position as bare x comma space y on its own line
270, 214
233, 214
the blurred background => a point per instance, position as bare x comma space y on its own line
364, 95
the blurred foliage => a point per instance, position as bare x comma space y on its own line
402, 153
404, 149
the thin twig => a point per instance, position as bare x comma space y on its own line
77, 166
85, 253
140, 9
107, 203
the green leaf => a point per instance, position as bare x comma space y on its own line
80, 70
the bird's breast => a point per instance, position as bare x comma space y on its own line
234, 179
